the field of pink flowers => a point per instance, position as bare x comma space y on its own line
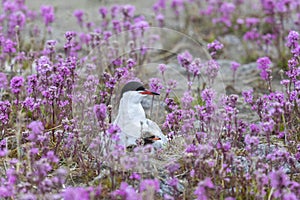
59, 97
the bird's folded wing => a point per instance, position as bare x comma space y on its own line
132, 130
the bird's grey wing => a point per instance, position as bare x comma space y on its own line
130, 133
154, 128
132, 130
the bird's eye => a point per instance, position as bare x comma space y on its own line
141, 88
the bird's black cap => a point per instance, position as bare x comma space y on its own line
132, 86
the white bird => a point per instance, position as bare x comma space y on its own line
132, 119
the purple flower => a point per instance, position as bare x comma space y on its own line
248, 96
114, 10
290, 196
135, 176
268, 38
251, 35
31, 83
227, 8
51, 157
227, 146
131, 63
235, 66
90, 83
79, 16
3, 149
240, 21
264, 64
4, 111
37, 128
117, 62
128, 10
254, 129
184, 59
9, 6
117, 26
69, 35
16, 84
6, 191
285, 82
106, 35
191, 149
268, 126
29, 103
172, 168
293, 71
212, 69
293, 39
76, 193
9, 46
149, 184
113, 129
3, 81
160, 4
142, 25
251, 140
47, 13
21, 57
202, 190
100, 111
51, 45
162, 68
171, 84
160, 18
16, 19
194, 67
34, 151
279, 180
187, 99
297, 156
85, 38
214, 47
126, 192
208, 95
171, 103
296, 51
176, 6
173, 182
294, 95
103, 11
43, 65
155, 85
111, 83
251, 21
11, 176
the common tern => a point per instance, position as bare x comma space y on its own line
132, 119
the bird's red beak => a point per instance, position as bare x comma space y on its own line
155, 138
147, 92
